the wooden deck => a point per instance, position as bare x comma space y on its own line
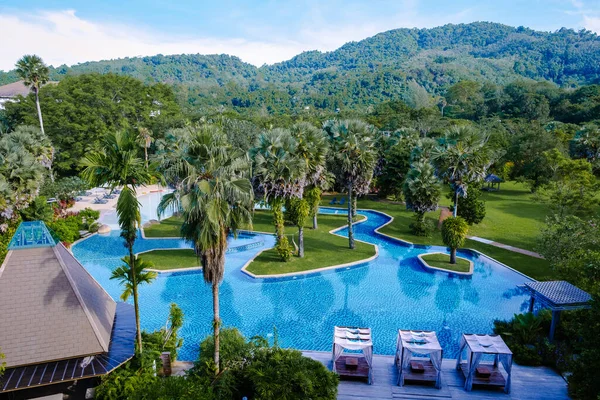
528, 383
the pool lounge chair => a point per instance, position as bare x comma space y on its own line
110, 196
98, 200
342, 201
333, 201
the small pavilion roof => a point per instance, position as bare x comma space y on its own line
491, 178
14, 89
559, 294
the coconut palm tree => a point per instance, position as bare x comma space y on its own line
463, 157
312, 147
119, 164
354, 159
216, 199
131, 276
279, 174
34, 73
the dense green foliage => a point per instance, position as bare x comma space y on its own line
80, 110
454, 233
414, 65
471, 207
422, 191
259, 371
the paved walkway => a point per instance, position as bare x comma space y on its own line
528, 383
506, 247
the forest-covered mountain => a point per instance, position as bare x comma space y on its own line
414, 65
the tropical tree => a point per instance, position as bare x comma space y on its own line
34, 73
38, 210
297, 210
312, 147
462, 158
215, 197
119, 165
279, 175
422, 192
353, 159
454, 233
145, 139
131, 276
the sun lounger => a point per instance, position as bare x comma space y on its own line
342, 201
333, 201
98, 200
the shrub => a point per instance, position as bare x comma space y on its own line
284, 249
38, 210
66, 229
421, 226
259, 371
166, 339
471, 207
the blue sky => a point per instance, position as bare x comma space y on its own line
258, 31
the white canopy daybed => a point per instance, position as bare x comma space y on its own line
353, 364
426, 343
478, 373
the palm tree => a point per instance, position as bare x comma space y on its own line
145, 139
216, 199
131, 276
463, 157
312, 147
422, 192
119, 164
279, 175
34, 73
354, 159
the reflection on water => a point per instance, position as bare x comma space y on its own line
386, 294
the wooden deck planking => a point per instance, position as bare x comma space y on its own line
528, 383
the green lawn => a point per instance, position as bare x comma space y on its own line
319, 246
171, 259
519, 228
442, 261
167, 228
321, 249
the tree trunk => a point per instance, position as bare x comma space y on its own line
315, 224
452, 256
278, 220
216, 323
455, 211
146, 155
136, 305
300, 241
39, 110
354, 205
350, 233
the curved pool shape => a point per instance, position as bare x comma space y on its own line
388, 293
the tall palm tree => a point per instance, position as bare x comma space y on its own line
354, 159
462, 158
216, 199
131, 276
279, 174
34, 73
145, 138
312, 147
119, 164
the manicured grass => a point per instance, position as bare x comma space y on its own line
172, 259
442, 261
321, 248
167, 228
497, 205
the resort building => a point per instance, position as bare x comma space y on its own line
59, 326
11, 91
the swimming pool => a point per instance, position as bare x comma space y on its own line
388, 293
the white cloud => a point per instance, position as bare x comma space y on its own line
591, 23
63, 38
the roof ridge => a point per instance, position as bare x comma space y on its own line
82, 302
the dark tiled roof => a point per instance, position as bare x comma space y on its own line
14, 89
559, 293
121, 349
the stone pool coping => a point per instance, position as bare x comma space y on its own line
425, 264
333, 267
316, 271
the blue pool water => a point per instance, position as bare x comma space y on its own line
388, 293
